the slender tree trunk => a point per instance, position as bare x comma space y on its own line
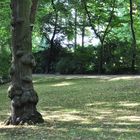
50, 53
33, 12
100, 67
83, 30
75, 24
21, 91
96, 32
133, 39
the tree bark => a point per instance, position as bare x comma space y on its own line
21, 91
75, 28
133, 39
100, 64
33, 11
83, 30
50, 52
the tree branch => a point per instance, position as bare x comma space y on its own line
109, 21
33, 12
90, 21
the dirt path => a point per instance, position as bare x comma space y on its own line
107, 77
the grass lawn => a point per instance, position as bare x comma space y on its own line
80, 109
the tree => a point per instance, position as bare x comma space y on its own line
54, 29
21, 91
102, 24
83, 28
52, 38
133, 38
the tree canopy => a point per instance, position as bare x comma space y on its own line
65, 29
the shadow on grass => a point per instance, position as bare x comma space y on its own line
98, 120
82, 109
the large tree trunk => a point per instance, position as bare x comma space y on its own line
21, 91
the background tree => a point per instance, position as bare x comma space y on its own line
133, 38
100, 23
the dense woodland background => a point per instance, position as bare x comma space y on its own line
80, 37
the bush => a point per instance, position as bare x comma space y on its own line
117, 57
65, 66
81, 61
42, 58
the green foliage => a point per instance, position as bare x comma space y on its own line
80, 61
4, 61
66, 65
117, 57
42, 57
111, 22
4, 37
117, 52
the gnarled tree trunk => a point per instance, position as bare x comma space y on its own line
21, 91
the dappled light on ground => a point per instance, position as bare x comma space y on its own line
129, 104
62, 84
129, 118
120, 103
122, 78
64, 116
120, 130
104, 77
75, 108
125, 130
99, 114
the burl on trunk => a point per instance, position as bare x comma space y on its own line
21, 91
